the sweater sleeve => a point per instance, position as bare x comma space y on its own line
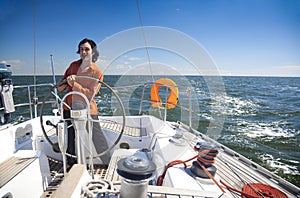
66, 74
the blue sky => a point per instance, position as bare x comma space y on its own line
244, 37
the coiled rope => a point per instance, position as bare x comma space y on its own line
263, 189
98, 188
257, 190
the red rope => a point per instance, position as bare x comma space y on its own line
250, 190
257, 190
210, 176
160, 179
238, 191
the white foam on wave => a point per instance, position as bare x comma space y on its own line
288, 88
279, 165
273, 129
234, 106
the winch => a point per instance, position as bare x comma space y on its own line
136, 170
207, 153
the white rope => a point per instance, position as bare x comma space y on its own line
98, 188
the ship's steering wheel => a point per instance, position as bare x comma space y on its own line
55, 145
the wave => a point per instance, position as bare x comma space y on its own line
233, 106
280, 165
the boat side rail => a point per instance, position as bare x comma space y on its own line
32, 101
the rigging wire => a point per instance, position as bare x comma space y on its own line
145, 40
147, 50
34, 59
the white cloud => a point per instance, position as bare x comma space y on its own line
290, 67
120, 66
134, 58
285, 70
12, 62
17, 66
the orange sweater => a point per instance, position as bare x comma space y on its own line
88, 87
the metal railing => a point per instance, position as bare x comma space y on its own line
32, 102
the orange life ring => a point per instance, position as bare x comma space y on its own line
173, 97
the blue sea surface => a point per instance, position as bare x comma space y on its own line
261, 114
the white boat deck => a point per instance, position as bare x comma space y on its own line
11, 167
153, 191
232, 169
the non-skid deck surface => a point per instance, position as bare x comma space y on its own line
56, 168
12, 167
236, 173
128, 130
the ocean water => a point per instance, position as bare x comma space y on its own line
261, 114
